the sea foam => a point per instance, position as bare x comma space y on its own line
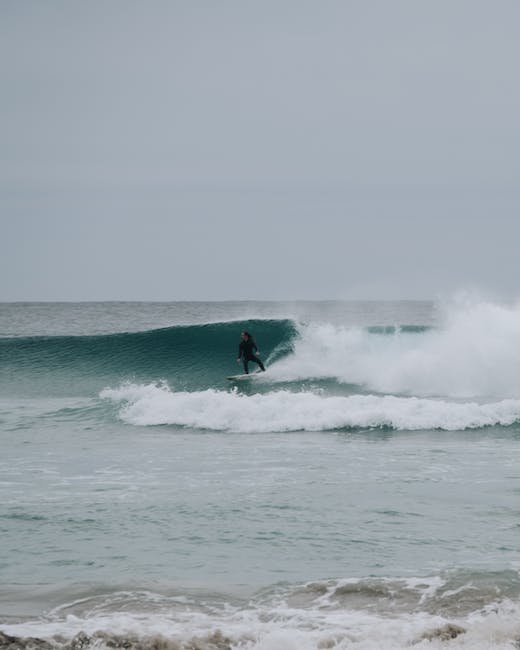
277, 411
271, 624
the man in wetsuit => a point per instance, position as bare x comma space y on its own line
246, 352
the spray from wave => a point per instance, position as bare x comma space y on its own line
474, 352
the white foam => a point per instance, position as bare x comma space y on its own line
282, 410
276, 626
475, 351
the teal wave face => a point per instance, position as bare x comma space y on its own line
187, 357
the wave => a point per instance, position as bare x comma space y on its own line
194, 356
462, 611
283, 410
474, 351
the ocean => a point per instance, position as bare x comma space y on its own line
362, 493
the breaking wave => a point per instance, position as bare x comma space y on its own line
284, 410
473, 352
459, 611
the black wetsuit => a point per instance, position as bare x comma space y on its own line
246, 352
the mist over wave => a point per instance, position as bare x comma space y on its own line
474, 352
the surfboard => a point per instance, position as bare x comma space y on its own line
242, 377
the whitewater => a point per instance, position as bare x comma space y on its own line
362, 493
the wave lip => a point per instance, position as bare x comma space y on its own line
278, 411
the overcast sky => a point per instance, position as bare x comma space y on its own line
167, 150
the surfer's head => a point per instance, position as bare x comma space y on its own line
245, 335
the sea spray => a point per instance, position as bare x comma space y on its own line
473, 352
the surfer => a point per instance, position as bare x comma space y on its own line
247, 350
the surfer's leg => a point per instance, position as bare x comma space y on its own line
259, 362
246, 365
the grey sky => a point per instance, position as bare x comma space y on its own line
276, 149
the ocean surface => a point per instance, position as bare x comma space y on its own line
362, 493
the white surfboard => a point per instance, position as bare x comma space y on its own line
251, 375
